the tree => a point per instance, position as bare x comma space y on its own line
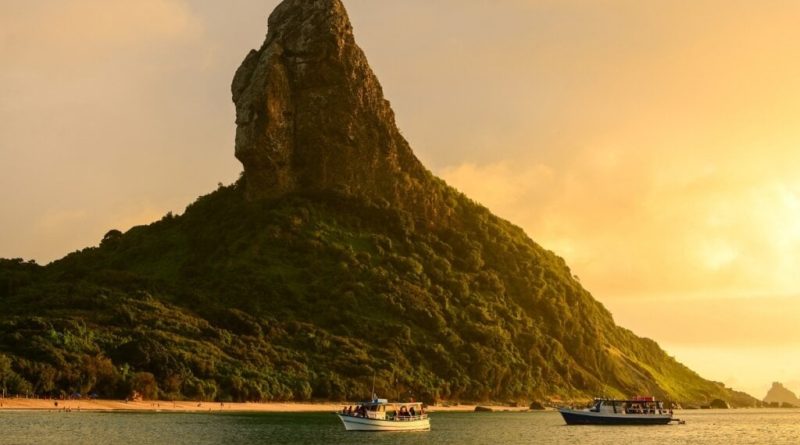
5, 372
111, 238
145, 384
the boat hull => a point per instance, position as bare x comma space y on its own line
575, 417
353, 423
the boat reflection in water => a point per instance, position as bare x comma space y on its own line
382, 415
636, 411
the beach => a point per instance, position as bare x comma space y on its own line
75, 405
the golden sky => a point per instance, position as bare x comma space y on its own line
652, 144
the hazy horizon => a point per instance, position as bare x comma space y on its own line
652, 145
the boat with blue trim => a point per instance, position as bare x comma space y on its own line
635, 411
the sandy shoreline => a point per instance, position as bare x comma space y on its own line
14, 404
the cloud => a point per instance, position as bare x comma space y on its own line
749, 369
105, 104
84, 31
657, 166
713, 322
500, 185
630, 227
69, 229
56, 220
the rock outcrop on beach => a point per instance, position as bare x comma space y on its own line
779, 395
337, 260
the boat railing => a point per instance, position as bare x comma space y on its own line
396, 417
409, 418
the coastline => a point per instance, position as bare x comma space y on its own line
106, 405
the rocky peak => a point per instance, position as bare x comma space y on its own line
780, 394
311, 116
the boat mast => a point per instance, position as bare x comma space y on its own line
374, 396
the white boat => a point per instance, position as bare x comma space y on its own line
382, 415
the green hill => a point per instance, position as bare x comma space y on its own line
307, 296
335, 258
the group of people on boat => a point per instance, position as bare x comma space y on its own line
646, 409
402, 414
359, 411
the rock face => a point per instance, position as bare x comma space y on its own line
719, 404
781, 395
536, 406
311, 115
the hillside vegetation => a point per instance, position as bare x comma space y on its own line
307, 296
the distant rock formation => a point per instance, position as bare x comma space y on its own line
311, 116
780, 396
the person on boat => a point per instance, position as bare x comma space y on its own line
412, 412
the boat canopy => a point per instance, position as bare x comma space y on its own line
386, 405
631, 400
374, 402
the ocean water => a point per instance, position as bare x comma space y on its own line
754, 426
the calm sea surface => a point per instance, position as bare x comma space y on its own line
756, 426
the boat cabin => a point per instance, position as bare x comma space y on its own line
636, 405
384, 410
